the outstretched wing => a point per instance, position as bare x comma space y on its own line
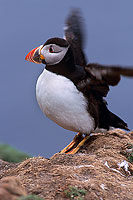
75, 35
100, 77
110, 74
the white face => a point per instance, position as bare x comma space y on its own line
53, 53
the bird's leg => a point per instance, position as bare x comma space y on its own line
75, 150
78, 138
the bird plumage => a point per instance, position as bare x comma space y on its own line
60, 100
70, 91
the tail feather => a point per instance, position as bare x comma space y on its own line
108, 119
117, 122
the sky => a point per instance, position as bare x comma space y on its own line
29, 23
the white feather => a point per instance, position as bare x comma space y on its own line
60, 100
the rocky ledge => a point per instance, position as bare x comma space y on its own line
101, 170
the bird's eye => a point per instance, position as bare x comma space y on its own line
51, 50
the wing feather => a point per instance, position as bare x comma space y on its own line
110, 74
75, 35
100, 77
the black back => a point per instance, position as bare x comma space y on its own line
93, 80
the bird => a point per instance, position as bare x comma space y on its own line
72, 92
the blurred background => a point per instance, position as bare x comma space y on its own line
27, 24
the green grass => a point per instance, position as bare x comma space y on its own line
130, 155
30, 197
10, 154
75, 193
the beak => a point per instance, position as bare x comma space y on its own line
35, 55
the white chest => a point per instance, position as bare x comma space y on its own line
60, 100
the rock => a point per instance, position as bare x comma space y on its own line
101, 170
11, 188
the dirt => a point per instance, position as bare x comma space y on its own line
101, 168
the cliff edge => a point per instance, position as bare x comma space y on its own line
101, 170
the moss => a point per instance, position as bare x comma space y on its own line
10, 154
130, 157
75, 193
30, 197
130, 154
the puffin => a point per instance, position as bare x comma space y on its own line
70, 91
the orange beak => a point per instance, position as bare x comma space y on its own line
35, 55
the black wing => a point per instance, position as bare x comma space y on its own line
75, 35
110, 74
100, 77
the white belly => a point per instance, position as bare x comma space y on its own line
60, 100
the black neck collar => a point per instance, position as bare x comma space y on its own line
68, 68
